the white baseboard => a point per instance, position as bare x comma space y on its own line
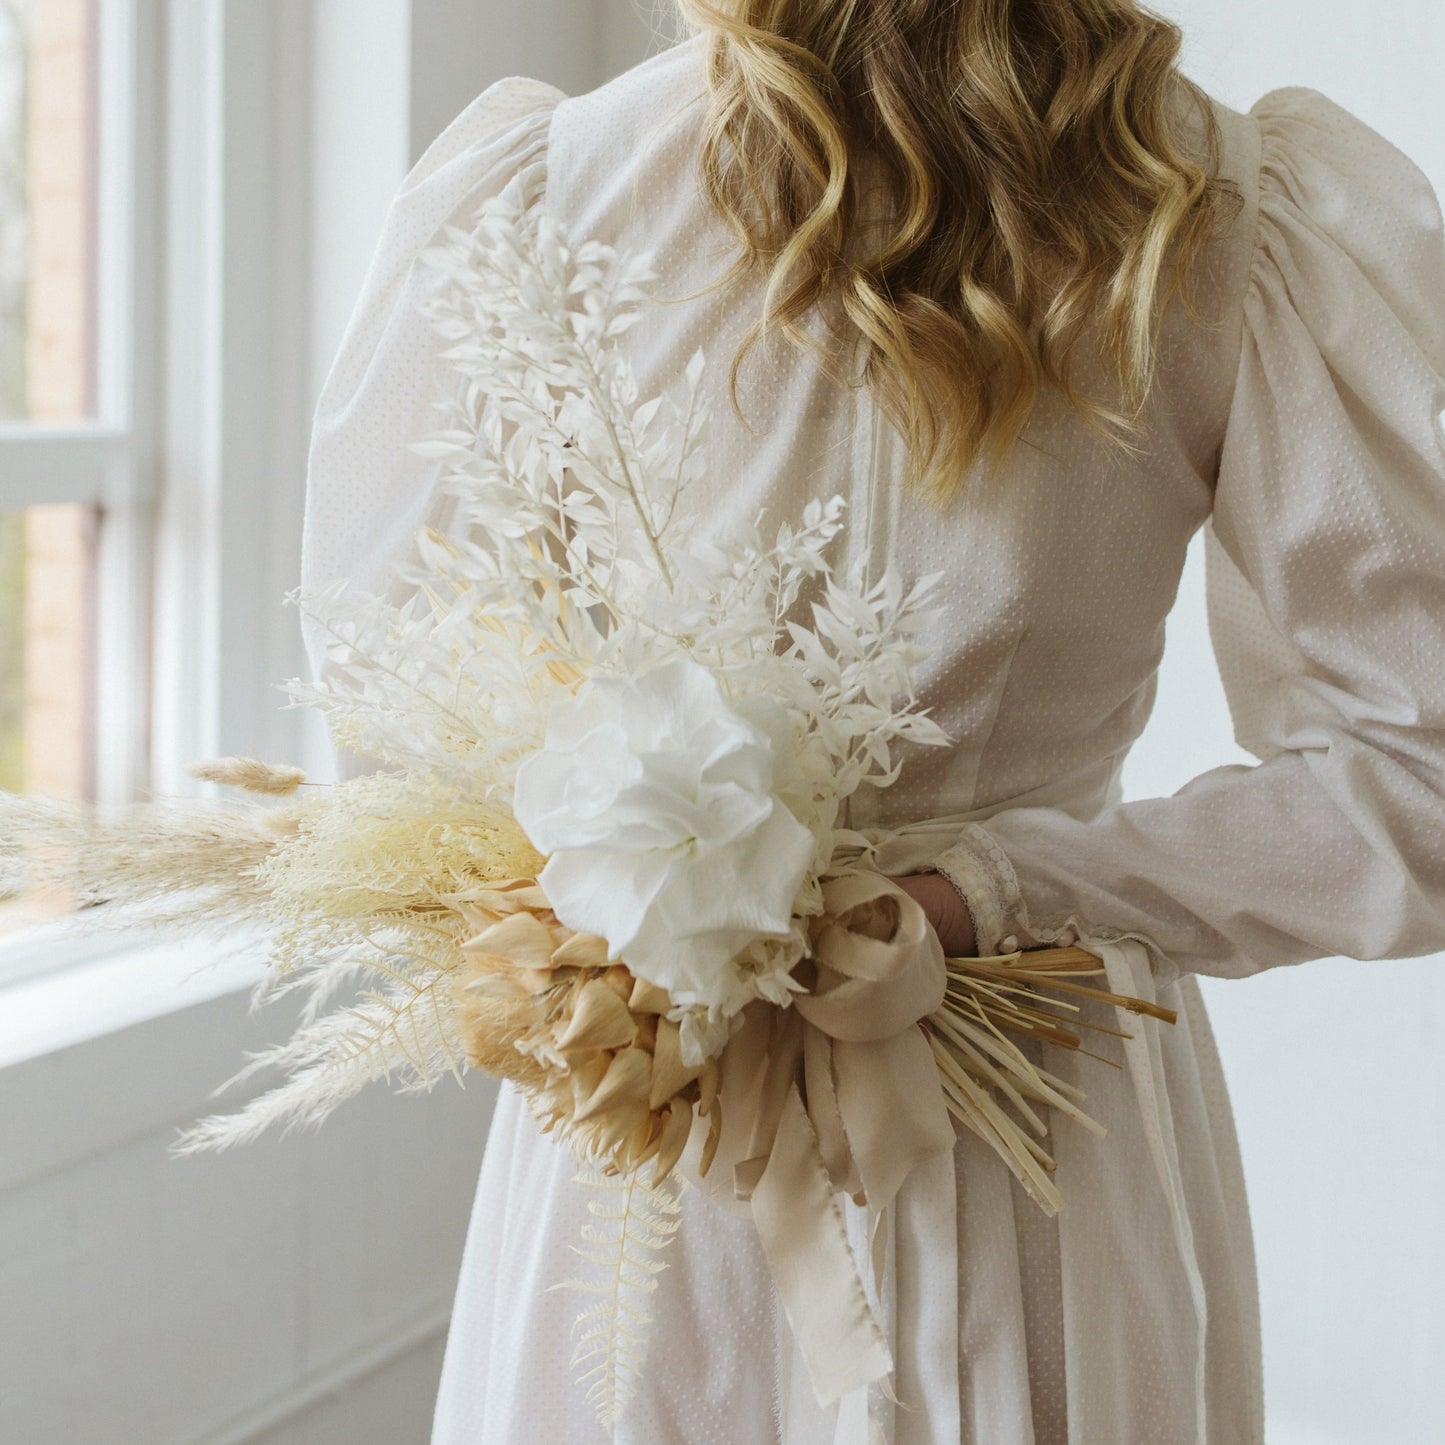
381, 1395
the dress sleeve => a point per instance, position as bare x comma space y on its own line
366, 492
1325, 575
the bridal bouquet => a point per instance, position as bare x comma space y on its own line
604, 852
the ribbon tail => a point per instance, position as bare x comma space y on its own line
806, 1244
893, 1109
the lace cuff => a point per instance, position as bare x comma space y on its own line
977, 865
983, 875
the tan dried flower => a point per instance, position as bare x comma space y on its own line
586, 1041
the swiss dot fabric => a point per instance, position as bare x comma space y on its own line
1326, 578
1303, 431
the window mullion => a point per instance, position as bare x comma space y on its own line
129, 393
234, 435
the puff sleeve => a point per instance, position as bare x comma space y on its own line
1326, 593
366, 492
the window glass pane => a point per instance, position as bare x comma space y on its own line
47, 209
47, 573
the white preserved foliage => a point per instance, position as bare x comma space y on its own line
574, 549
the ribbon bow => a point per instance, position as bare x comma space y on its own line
838, 1093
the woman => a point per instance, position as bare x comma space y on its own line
1040, 308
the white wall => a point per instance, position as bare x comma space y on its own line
1337, 1079
147, 1300
425, 60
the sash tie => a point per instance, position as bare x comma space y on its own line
836, 1094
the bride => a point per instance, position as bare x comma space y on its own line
1040, 308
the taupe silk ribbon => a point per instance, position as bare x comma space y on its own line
838, 1093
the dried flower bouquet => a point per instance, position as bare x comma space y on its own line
605, 854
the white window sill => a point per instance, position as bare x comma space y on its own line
100, 985
122, 1043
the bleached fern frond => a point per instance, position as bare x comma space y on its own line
611, 1335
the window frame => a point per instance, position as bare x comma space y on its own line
197, 452
245, 177
105, 461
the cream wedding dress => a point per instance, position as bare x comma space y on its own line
1305, 434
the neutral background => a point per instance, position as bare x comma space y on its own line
1337, 1081
298, 1291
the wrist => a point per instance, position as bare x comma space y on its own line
946, 908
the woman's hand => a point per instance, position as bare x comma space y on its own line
945, 909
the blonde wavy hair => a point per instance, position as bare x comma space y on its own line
1031, 181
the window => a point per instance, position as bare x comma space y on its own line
73, 406
47, 375
156, 399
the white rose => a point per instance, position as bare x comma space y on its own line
655, 797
